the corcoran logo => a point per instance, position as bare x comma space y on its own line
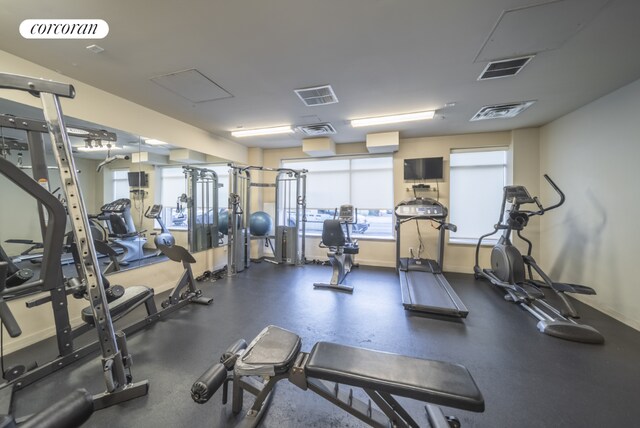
64, 29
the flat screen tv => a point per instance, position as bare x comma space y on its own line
137, 179
423, 169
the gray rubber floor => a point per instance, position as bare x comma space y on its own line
528, 379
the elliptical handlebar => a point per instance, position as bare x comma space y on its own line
542, 209
558, 191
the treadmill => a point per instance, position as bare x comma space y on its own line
424, 287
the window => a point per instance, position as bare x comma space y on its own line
120, 180
172, 186
365, 183
477, 178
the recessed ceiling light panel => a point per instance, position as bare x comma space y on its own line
396, 118
262, 131
98, 148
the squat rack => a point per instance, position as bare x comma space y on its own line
116, 361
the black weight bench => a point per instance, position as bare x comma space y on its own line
275, 355
133, 297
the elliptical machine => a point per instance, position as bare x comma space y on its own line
164, 237
513, 272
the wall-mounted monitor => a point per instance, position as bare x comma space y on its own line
423, 169
137, 179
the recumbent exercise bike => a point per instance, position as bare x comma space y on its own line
342, 249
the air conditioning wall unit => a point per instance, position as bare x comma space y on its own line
383, 142
318, 147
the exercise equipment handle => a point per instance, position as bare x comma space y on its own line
70, 412
558, 191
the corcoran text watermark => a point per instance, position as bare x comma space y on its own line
64, 29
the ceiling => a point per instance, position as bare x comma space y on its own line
380, 56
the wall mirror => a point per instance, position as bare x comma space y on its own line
138, 191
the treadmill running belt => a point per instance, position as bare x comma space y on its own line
430, 293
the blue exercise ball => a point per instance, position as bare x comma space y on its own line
259, 223
223, 221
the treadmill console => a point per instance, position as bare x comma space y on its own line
421, 208
346, 214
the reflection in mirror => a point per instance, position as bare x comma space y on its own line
132, 189
202, 205
177, 184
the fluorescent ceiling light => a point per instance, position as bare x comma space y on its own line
263, 131
396, 118
97, 148
153, 142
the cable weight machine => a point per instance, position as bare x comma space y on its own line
288, 241
202, 201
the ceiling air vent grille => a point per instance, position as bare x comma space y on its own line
504, 67
501, 111
317, 96
317, 129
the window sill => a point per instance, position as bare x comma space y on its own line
359, 237
175, 229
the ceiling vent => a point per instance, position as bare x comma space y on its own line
501, 111
318, 96
317, 129
504, 68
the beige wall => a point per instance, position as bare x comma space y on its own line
458, 257
525, 170
593, 154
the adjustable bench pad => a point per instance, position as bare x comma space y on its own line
425, 380
272, 352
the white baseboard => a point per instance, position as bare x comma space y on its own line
375, 263
596, 304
